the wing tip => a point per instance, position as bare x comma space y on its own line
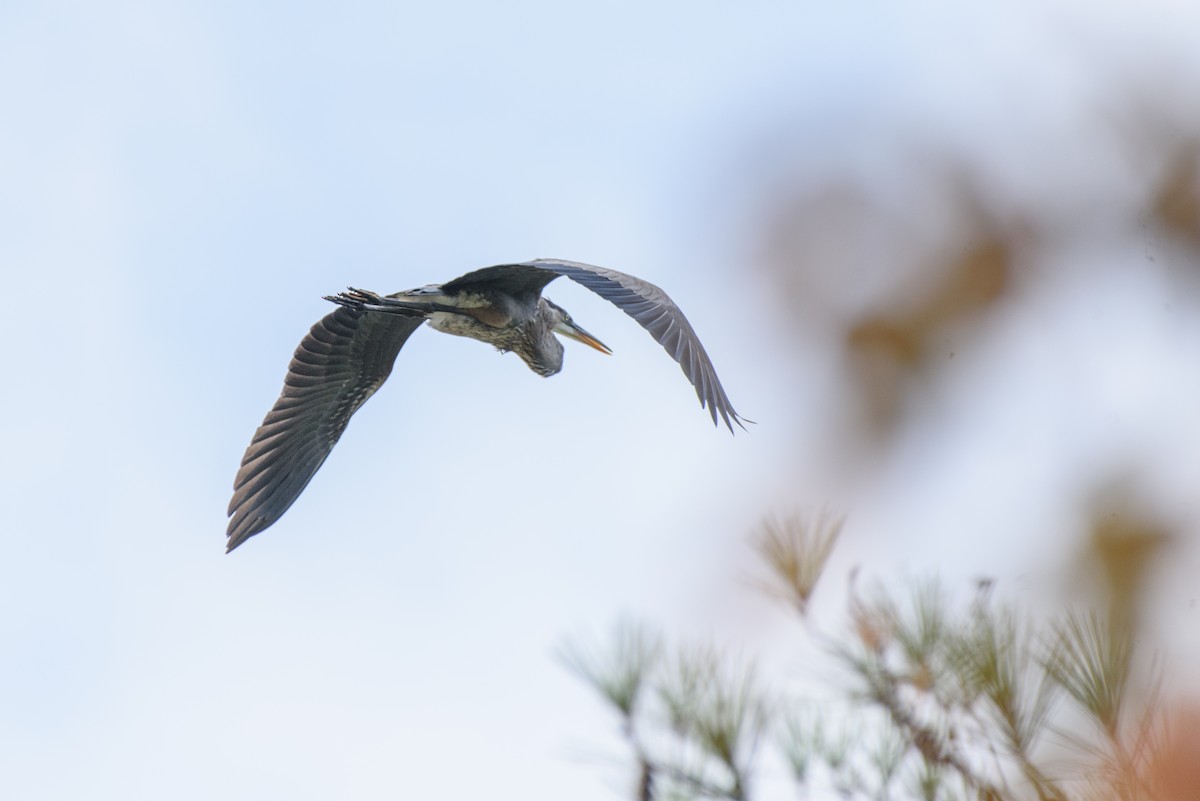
729, 417
241, 529
234, 542
244, 523
741, 421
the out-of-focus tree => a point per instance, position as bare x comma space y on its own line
944, 694
938, 699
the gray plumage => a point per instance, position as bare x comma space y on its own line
348, 355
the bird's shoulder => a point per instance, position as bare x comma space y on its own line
515, 280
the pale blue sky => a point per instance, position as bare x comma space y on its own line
181, 183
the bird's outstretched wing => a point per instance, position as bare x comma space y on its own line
641, 300
339, 364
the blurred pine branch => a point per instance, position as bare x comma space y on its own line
938, 699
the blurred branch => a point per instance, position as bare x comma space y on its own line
959, 699
706, 717
620, 673
796, 551
1178, 201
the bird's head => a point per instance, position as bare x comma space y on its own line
563, 324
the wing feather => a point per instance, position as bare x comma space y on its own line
339, 364
657, 313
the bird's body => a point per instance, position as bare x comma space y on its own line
523, 326
348, 355
520, 325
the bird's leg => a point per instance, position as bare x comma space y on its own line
354, 298
365, 300
363, 295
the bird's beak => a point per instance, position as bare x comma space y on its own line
575, 332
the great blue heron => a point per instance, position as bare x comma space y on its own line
349, 354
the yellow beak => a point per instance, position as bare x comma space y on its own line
578, 334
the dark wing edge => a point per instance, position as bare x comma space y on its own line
338, 365
657, 313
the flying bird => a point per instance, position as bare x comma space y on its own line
348, 355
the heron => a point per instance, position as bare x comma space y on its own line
350, 352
